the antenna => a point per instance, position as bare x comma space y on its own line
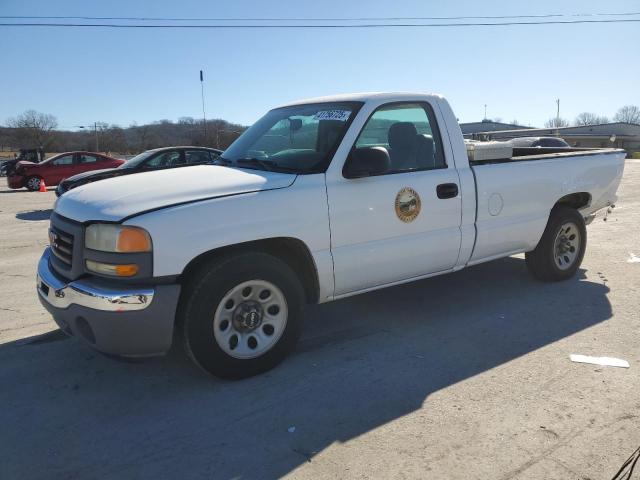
204, 116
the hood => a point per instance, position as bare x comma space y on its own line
116, 198
25, 163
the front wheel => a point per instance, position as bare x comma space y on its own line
33, 184
241, 315
561, 249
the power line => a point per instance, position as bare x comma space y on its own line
313, 26
309, 19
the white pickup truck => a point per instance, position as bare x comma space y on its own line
319, 200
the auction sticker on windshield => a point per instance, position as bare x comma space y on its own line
341, 115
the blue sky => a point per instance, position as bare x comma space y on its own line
125, 76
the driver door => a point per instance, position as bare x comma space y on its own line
403, 223
59, 169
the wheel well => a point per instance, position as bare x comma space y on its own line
576, 200
290, 250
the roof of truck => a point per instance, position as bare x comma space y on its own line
363, 97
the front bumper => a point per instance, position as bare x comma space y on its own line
125, 320
16, 181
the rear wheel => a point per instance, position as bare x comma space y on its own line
33, 184
561, 249
241, 315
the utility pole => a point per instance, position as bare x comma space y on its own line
95, 130
204, 116
485, 111
558, 113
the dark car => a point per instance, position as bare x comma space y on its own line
159, 158
541, 142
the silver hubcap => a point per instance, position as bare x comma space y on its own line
34, 183
250, 319
567, 246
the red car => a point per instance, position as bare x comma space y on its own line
57, 168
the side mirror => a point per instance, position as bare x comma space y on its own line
366, 162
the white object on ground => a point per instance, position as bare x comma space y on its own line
291, 429
633, 258
605, 361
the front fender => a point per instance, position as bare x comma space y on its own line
184, 232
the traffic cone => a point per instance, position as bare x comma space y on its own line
43, 186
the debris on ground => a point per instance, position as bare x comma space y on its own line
633, 258
604, 361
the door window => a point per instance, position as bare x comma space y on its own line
84, 159
165, 159
409, 133
197, 156
64, 160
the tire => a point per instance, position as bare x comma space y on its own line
33, 184
561, 249
214, 309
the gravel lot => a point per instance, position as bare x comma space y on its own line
465, 376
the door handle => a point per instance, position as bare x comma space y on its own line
447, 190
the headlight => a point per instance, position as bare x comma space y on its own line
107, 237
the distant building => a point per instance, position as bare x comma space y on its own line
487, 125
605, 135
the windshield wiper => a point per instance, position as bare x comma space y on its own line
266, 165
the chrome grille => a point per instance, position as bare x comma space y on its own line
61, 245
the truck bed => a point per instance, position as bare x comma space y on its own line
515, 196
521, 154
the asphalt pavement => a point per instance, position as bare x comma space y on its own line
463, 376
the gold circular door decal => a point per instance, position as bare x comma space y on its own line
407, 204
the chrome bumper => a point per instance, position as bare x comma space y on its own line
86, 293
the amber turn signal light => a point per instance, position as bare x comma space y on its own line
127, 270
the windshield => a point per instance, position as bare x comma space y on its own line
298, 139
137, 160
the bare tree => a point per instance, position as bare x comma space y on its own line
33, 129
628, 114
112, 139
132, 139
556, 122
587, 118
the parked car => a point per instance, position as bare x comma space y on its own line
57, 168
542, 142
318, 200
35, 155
159, 158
